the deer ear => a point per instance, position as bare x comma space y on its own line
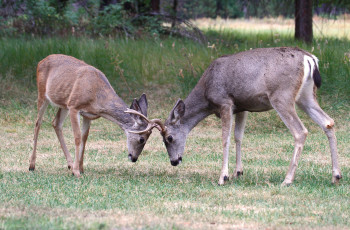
143, 104
135, 106
177, 112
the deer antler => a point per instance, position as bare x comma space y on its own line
154, 123
137, 113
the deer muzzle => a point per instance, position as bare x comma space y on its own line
176, 162
132, 159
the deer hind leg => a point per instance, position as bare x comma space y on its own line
311, 107
85, 134
74, 118
226, 118
240, 122
291, 120
42, 105
57, 124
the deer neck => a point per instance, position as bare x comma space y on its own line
114, 111
196, 108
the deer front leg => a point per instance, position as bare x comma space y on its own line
42, 105
57, 124
85, 134
240, 122
226, 119
74, 117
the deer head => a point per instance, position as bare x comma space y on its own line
142, 129
175, 134
138, 134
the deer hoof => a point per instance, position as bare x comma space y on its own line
31, 168
336, 179
238, 174
70, 165
286, 183
76, 173
222, 180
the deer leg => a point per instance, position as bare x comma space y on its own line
226, 119
85, 134
240, 122
57, 124
74, 117
42, 105
312, 108
299, 132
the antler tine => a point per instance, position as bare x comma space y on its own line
159, 123
137, 113
154, 123
150, 126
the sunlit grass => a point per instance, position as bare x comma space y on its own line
151, 193
322, 27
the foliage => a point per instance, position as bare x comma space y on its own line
78, 17
271, 8
112, 17
133, 18
236, 8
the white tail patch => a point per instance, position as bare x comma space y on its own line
307, 83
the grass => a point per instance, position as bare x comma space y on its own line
322, 27
151, 194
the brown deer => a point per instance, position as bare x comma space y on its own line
256, 80
79, 89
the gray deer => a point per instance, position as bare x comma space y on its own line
79, 89
256, 80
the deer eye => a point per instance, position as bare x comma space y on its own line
142, 140
170, 138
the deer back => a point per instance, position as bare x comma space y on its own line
252, 78
68, 82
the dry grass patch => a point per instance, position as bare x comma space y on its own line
322, 27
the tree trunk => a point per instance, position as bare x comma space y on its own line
303, 20
173, 24
218, 8
245, 9
155, 6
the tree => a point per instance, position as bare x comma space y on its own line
174, 11
303, 20
155, 6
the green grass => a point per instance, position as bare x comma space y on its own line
151, 194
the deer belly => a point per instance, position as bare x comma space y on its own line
256, 104
90, 116
56, 103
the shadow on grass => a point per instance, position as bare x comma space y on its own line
306, 176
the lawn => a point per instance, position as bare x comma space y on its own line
114, 193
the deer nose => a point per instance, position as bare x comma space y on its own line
132, 159
176, 162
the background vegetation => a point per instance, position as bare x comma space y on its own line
114, 193
136, 18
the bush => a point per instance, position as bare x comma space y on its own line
48, 17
